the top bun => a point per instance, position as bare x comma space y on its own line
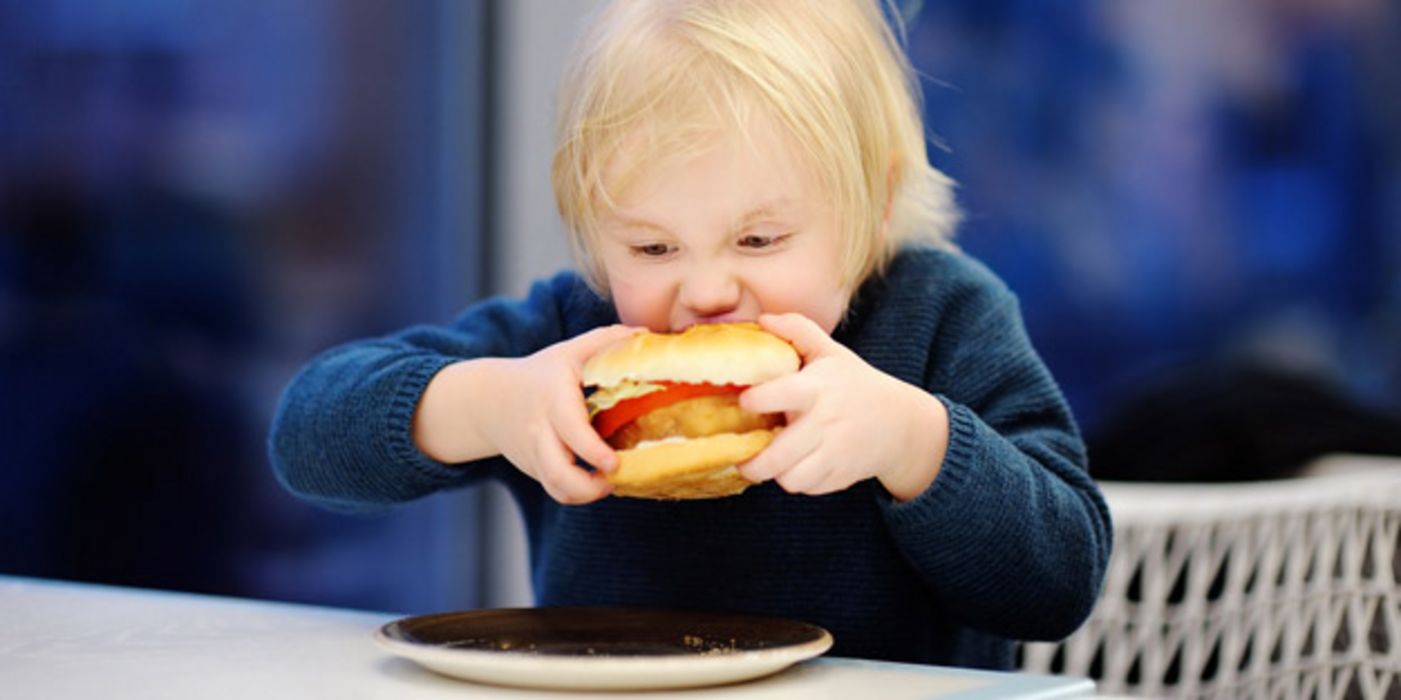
714, 353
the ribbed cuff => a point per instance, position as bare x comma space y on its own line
945, 492
398, 428
945, 529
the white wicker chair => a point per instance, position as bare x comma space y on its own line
1276, 589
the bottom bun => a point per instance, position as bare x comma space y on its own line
693, 468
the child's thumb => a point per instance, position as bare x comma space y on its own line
587, 345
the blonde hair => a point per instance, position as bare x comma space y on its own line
653, 78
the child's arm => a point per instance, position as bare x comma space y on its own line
344, 435
966, 430
1013, 535
529, 410
848, 421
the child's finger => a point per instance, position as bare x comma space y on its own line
833, 482
566, 482
807, 337
788, 448
807, 476
573, 498
793, 393
571, 420
586, 345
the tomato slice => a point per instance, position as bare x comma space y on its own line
626, 411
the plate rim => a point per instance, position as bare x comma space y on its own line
772, 659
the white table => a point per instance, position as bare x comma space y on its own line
67, 640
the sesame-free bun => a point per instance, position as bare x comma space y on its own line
719, 353
689, 449
691, 468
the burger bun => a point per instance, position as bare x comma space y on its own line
694, 463
687, 468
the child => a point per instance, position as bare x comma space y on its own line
728, 160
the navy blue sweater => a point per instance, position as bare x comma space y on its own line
1009, 542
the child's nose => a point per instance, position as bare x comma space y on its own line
710, 292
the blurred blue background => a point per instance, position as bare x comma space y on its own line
1198, 203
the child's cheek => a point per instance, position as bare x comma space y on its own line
820, 301
640, 305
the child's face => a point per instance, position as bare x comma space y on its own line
738, 230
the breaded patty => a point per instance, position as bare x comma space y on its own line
698, 417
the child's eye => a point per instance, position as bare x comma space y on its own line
755, 241
651, 250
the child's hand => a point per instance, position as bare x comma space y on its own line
530, 410
538, 421
847, 421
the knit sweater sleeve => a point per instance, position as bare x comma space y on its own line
1013, 534
342, 438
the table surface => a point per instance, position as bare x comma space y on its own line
71, 640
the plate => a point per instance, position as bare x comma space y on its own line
602, 648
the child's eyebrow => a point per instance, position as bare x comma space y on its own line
629, 222
766, 210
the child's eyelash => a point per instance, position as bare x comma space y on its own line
651, 250
763, 242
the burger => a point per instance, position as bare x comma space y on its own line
669, 404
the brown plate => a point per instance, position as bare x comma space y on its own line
603, 648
